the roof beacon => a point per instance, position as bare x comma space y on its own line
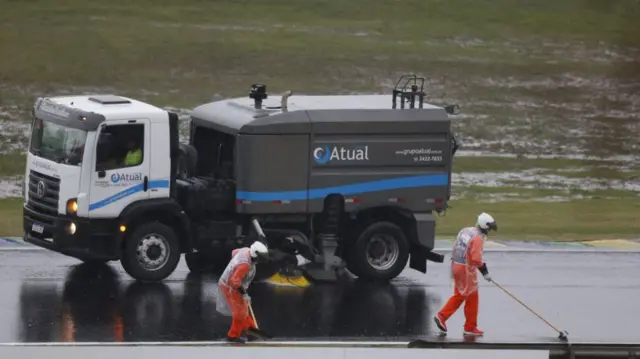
258, 93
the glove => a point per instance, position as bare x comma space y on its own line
485, 272
245, 296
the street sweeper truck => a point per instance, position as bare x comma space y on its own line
346, 182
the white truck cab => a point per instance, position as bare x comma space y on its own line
90, 159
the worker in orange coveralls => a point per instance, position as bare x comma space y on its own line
466, 259
233, 285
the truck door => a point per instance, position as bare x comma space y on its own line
121, 168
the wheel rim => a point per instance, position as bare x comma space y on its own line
382, 252
153, 252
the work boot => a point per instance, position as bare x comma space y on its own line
475, 332
440, 322
239, 340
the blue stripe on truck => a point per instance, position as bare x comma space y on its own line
355, 188
373, 186
128, 192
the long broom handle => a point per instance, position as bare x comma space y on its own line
253, 316
524, 305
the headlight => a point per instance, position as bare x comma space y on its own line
72, 206
72, 228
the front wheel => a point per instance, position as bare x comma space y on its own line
151, 253
381, 252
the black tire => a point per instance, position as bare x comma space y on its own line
361, 267
130, 261
350, 260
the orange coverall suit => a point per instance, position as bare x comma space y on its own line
239, 272
466, 258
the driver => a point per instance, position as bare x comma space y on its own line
134, 156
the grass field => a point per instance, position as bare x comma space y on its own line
575, 220
11, 217
533, 78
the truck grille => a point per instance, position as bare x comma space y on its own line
44, 193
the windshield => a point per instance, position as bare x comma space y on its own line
57, 143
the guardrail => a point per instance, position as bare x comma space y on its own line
320, 350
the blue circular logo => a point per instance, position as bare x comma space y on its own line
115, 178
321, 154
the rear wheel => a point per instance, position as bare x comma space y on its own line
380, 252
151, 253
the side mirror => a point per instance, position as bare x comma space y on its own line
452, 109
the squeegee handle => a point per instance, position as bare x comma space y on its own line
526, 306
253, 316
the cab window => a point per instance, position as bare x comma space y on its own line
120, 146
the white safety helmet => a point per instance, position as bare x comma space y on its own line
258, 249
486, 222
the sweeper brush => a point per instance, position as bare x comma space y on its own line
289, 278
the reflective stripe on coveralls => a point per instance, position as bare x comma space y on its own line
466, 257
239, 272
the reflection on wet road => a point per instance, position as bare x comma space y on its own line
48, 297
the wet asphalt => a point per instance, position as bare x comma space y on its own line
47, 297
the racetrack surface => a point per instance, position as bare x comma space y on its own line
47, 297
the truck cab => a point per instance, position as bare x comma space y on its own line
91, 161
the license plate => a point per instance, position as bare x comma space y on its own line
38, 228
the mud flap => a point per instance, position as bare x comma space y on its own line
420, 256
417, 259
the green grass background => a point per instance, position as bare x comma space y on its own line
183, 53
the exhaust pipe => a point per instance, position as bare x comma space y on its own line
283, 100
257, 227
